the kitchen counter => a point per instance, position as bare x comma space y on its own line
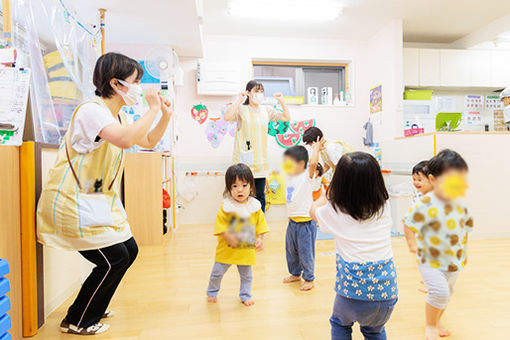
488, 157
457, 133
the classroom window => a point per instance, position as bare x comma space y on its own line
292, 79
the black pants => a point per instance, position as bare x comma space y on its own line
97, 290
260, 188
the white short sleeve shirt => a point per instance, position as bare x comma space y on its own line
299, 195
358, 241
88, 122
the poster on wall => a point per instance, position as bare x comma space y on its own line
445, 104
473, 102
493, 103
14, 85
376, 104
474, 118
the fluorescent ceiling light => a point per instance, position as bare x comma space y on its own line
285, 10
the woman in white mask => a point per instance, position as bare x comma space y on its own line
250, 146
505, 98
79, 208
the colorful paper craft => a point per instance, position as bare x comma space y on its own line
277, 128
232, 125
288, 140
199, 113
302, 126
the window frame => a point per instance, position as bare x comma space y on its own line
345, 65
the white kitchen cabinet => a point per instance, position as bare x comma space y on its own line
500, 75
455, 68
481, 68
429, 68
411, 66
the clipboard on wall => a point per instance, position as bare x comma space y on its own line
14, 86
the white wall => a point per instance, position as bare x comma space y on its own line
376, 61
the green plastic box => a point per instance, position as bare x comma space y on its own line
418, 94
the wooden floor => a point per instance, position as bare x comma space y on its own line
163, 295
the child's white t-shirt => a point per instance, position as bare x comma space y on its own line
299, 195
355, 241
88, 122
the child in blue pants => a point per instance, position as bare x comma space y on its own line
302, 230
357, 213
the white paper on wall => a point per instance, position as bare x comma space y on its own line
493, 103
473, 102
14, 84
445, 104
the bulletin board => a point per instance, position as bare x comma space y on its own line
14, 85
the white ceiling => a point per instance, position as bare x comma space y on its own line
437, 21
167, 22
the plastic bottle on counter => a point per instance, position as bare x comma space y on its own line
336, 101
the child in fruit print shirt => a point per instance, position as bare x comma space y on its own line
441, 222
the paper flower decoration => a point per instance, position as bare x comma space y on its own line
454, 186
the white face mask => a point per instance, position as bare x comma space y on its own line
258, 98
133, 94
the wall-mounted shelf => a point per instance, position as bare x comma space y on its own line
323, 106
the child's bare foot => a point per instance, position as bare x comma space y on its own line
443, 331
212, 299
307, 285
292, 278
431, 333
424, 290
248, 303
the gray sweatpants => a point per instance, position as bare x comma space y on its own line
440, 285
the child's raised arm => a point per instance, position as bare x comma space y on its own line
314, 160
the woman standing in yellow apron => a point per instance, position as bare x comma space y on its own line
79, 208
250, 145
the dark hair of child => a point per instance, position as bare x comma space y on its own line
421, 168
319, 169
311, 134
249, 86
446, 160
240, 172
113, 66
357, 187
297, 153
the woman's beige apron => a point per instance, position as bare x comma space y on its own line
79, 207
252, 126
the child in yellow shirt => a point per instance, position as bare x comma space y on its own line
240, 228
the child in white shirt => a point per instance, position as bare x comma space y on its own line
302, 230
358, 215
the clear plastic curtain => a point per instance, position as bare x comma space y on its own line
42, 27
78, 44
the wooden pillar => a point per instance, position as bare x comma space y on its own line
7, 25
102, 12
28, 239
10, 231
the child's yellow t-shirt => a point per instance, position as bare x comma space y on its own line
247, 221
